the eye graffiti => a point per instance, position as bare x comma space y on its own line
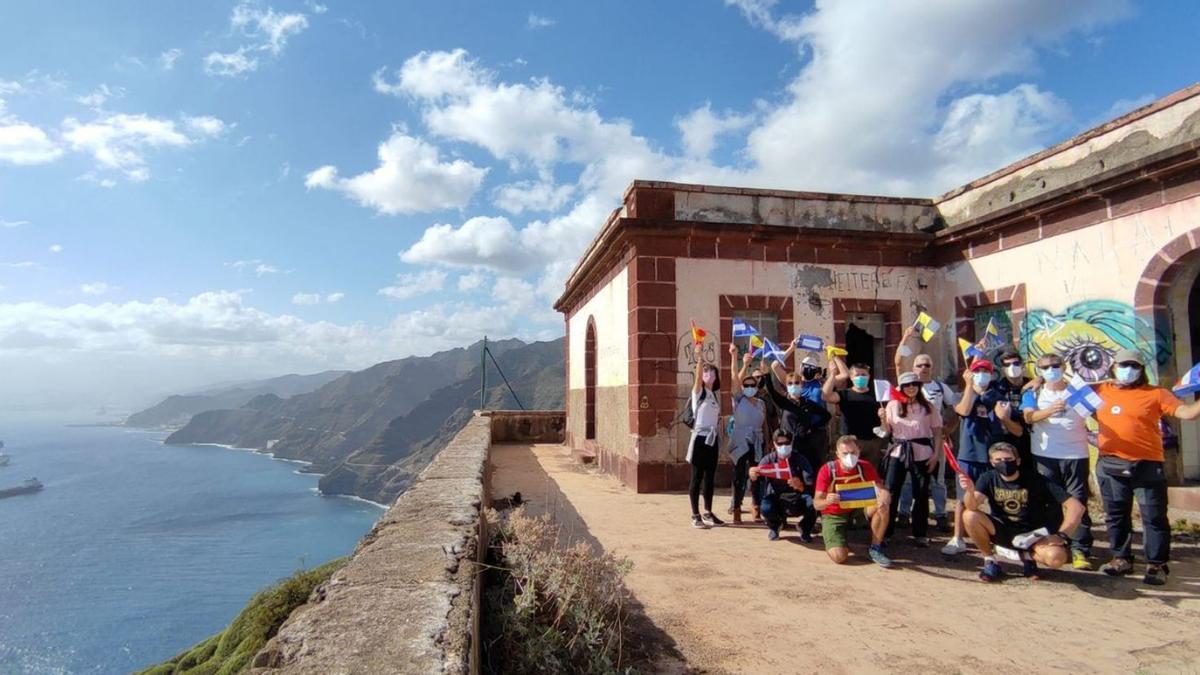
1088, 334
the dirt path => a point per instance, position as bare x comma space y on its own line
734, 602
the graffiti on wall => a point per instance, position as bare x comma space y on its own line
687, 352
1088, 334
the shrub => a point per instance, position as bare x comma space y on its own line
549, 608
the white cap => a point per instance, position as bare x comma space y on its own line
810, 361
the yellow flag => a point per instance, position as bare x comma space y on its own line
832, 351
929, 326
756, 341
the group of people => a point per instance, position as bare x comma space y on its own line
1015, 446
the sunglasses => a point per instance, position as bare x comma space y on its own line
1130, 364
1047, 366
910, 384
923, 365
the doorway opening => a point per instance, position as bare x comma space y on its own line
864, 340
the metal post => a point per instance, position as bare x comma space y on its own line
483, 373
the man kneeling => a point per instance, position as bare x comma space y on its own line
1027, 514
784, 477
853, 478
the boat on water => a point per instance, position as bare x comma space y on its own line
31, 485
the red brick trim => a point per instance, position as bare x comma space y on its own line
891, 311
652, 344
1150, 300
964, 306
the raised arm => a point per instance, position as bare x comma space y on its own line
733, 369
1188, 411
967, 400
698, 384
909, 334
827, 392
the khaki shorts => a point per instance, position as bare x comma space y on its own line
834, 527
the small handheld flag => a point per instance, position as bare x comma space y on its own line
777, 470
1082, 398
756, 342
810, 343
1189, 383
950, 458
743, 329
771, 350
929, 327
883, 391
698, 334
856, 495
991, 334
832, 351
969, 350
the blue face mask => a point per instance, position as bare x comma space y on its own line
1128, 374
860, 381
749, 391
981, 380
783, 450
1052, 374
794, 389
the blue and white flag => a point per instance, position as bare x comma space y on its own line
1082, 398
742, 329
810, 343
1189, 383
770, 350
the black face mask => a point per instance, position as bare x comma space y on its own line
1007, 467
810, 373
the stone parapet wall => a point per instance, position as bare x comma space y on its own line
407, 601
527, 426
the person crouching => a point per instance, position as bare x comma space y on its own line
781, 490
848, 471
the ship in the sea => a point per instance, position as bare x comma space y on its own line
31, 485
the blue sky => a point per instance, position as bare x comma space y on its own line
201, 191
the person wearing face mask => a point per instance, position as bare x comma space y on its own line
1060, 445
1131, 463
748, 432
1012, 383
812, 437
857, 405
783, 498
986, 418
849, 468
702, 447
1021, 504
916, 427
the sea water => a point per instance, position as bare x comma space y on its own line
136, 550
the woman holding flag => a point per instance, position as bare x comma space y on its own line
702, 448
916, 428
1129, 412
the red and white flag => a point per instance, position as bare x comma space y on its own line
777, 470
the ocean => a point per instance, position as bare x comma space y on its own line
135, 550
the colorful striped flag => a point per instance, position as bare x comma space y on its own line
742, 329
991, 334
698, 334
969, 350
1189, 383
855, 495
929, 327
756, 342
810, 343
1082, 398
777, 470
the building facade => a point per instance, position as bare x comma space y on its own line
1085, 248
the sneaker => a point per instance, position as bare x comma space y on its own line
1117, 567
954, 547
1079, 561
806, 537
903, 520
991, 571
921, 542
772, 534
698, 522
711, 520
1029, 569
943, 524
1156, 575
878, 556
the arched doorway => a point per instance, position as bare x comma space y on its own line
589, 381
1168, 298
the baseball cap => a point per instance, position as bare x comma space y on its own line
981, 364
1124, 355
810, 361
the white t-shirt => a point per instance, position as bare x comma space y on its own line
708, 411
939, 394
1063, 436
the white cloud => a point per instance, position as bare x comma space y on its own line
539, 195
334, 297
25, 144
98, 288
167, 59
471, 281
268, 32
118, 142
315, 7
410, 178
1123, 105
259, 267
100, 95
412, 285
480, 241
56, 248
535, 22
21, 265
306, 299
13, 223
700, 129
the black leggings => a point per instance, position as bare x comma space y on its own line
704, 473
919, 477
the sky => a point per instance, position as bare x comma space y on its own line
203, 192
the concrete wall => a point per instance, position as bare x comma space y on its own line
609, 308
527, 426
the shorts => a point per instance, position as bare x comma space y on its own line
834, 527
1005, 532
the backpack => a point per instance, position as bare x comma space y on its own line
688, 414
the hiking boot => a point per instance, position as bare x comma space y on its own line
699, 523
903, 520
737, 516
943, 524
711, 520
1156, 575
772, 534
954, 547
1079, 561
806, 537
1029, 569
991, 571
1117, 567
878, 556
921, 542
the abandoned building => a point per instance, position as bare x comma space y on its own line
1085, 248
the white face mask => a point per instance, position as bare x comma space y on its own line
749, 391
795, 389
1052, 374
1127, 374
849, 461
1013, 371
981, 380
783, 450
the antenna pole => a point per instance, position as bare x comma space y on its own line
483, 373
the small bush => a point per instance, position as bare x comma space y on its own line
550, 609
231, 650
